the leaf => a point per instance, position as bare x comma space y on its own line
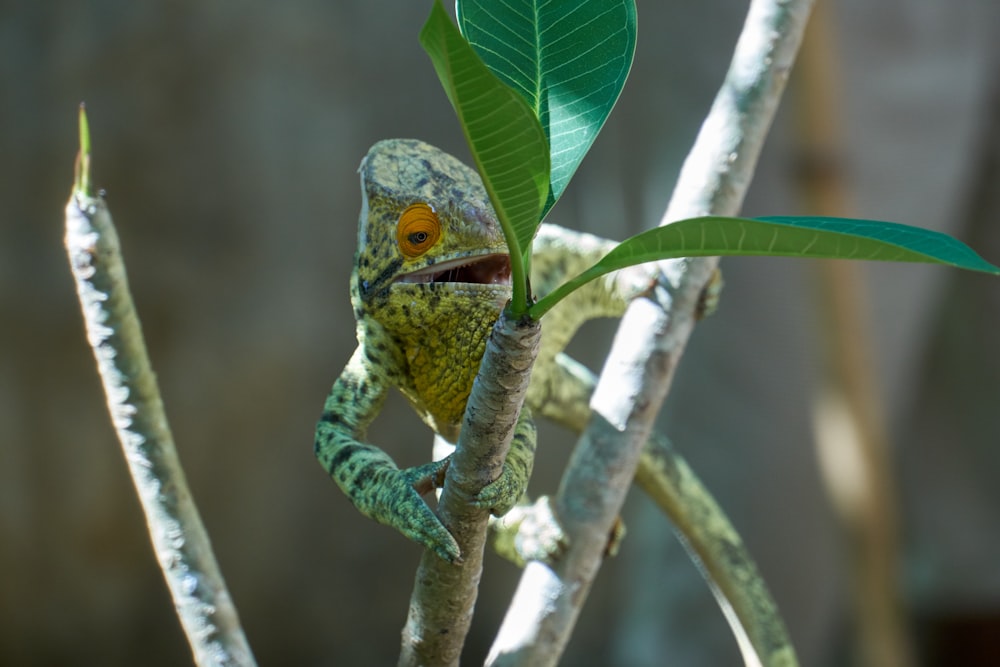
569, 60
815, 237
876, 240
506, 140
81, 180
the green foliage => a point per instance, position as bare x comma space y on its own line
568, 60
814, 237
506, 139
551, 72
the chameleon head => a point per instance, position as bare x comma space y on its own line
432, 271
426, 220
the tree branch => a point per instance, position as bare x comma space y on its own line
651, 339
444, 594
180, 542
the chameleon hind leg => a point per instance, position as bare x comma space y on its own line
560, 388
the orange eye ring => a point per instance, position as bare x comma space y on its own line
418, 230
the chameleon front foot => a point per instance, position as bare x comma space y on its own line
395, 500
503, 494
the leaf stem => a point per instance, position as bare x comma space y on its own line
518, 275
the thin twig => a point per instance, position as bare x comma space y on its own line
650, 341
180, 542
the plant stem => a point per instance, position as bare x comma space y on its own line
444, 594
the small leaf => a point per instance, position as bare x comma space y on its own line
506, 140
815, 237
568, 60
81, 180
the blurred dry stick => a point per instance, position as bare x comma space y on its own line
179, 539
848, 414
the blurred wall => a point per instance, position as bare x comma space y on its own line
228, 136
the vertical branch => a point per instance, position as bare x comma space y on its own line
444, 594
650, 341
179, 539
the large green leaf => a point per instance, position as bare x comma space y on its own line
568, 59
815, 237
506, 139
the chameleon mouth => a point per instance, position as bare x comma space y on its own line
482, 270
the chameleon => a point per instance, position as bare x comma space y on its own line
431, 274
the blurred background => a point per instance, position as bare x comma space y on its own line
845, 415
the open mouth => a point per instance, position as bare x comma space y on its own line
482, 270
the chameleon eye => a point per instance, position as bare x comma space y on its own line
418, 230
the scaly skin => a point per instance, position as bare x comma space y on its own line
427, 338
